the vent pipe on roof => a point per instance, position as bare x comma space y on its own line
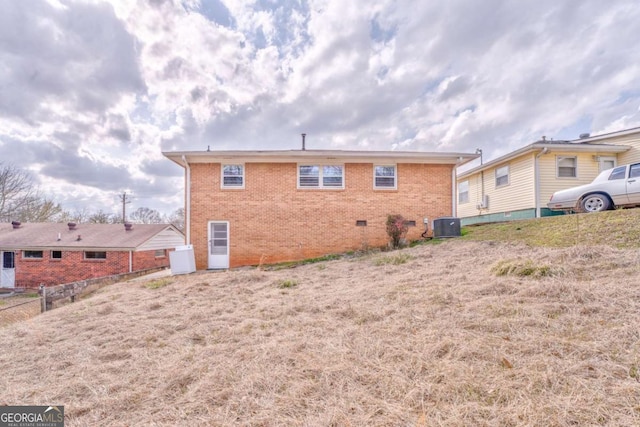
72, 225
15, 224
304, 135
128, 226
79, 238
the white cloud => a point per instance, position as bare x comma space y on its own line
115, 82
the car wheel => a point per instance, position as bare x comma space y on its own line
595, 203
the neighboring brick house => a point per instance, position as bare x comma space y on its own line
50, 253
252, 207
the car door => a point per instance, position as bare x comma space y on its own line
615, 185
633, 184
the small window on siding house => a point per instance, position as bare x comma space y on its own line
385, 177
463, 192
567, 167
232, 176
502, 176
320, 176
95, 255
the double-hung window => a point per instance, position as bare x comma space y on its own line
320, 176
502, 176
232, 176
463, 192
385, 177
567, 167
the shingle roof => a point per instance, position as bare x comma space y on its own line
84, 237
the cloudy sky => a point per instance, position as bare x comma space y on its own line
91, 92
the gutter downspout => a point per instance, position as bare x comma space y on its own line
187, 213
130, 261
454, 188
536, 183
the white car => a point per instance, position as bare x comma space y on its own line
615, 187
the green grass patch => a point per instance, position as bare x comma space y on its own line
396, 259
287, 283
293, 264
524, 268
618, 228
158, 283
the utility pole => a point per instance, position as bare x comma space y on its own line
124, 200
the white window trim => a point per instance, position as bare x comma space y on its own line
558, 167
320, 185
232, 187
508, 176
604, 159
32, 257
462, 202
395, 177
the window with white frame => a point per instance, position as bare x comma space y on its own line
232, 176
93, 255
320, 176
385, 177
463, 192
502, 176
567, 166
32, 254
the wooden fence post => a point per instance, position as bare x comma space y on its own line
43, 296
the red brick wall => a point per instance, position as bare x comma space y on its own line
271, 220
72, 267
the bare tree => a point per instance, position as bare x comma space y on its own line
79, 216
102, 217
39, 209
176, 218
20, 199
146, 216
15, 187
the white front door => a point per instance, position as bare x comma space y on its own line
607, 163
218, 244
7, 269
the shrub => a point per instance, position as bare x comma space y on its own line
396, 229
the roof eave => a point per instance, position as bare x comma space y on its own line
296, 156
539, 146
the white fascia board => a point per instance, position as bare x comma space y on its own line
296, 156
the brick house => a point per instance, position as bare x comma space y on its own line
252, 207
49, 253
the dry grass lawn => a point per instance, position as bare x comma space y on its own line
456, 334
